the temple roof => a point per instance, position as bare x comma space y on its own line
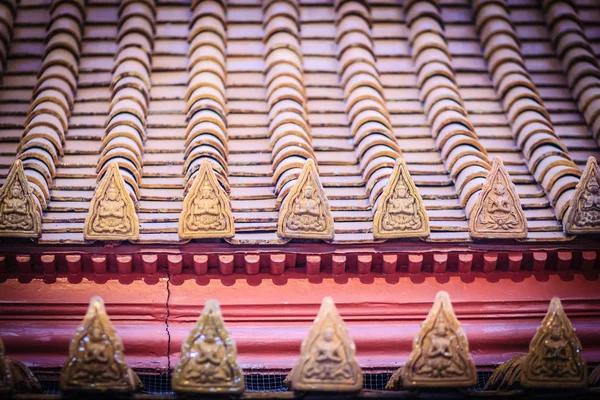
341, 67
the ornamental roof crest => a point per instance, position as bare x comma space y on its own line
112, 213
584, 211
440, 355
554, 359
400, 211
206, 209
208, 361
305, 212
96, 360
498, 213
327, 356
19, 213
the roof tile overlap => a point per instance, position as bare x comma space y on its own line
373, 81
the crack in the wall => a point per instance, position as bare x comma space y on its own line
167, 325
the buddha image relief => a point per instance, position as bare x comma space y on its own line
584, 214
400, 211
112, 213
208, 357
305, 212
206, 209
19, 215
96, 356
554, 358
440, 355
498, 212
327, 355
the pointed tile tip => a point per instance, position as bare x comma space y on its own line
426, 365
497, 213
554, 359
399, 209
20, 211
583, 214
305, 212
206, 212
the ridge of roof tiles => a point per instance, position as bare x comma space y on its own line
290, 138
465, 157
206, 132
372, 131
167, 146
548, 158
577, 59
8, 8
125, 132
43, 138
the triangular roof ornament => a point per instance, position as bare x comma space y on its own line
327, 356
440, 355
20, 214
206, 208
96, 360
583, 216
208, 362
305, 212
497, 214
554, 359
400, 211
112, 213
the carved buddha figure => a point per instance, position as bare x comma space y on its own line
13, 210
206, 213
111, 217
207, 359
402, 210
328, 358
439, 359
555, 356
498, 211
97, 363
307, 211
590, 205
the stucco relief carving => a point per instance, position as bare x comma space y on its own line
498, 213
208, 361
112, 213
305, 212
206, 208
554, 359
96, 360
584, 211
327, 360
440, 355
400, 212
19, 213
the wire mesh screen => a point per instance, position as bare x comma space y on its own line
159, 382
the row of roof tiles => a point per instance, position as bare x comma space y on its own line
366, 106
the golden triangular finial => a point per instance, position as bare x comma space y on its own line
400, 211
584, 209
498, 213
440, 355
208, 362
19, 212
554, 359
206, 208
112, 213
96, 360
305, 212
327, 356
